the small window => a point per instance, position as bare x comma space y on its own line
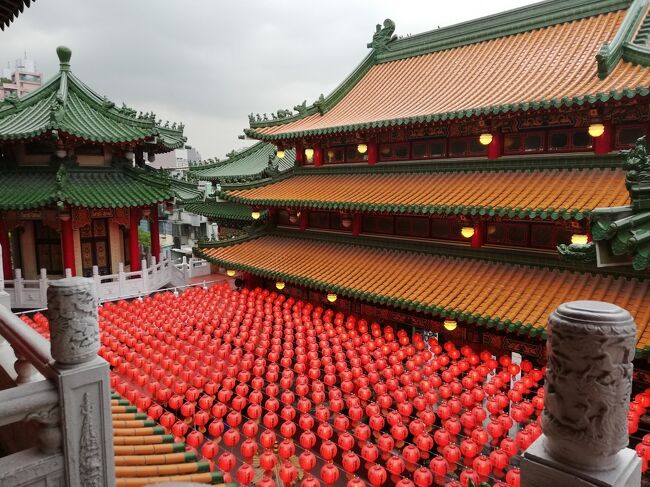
393, 152
352, 154
542, 235
512, 144
523, 143
518, 234
412, 226
627, 136
495, 234
420, 150
319, 219
377, 224
568, 140
334, 155
467, 146
439, 228
437, 148
534, 142
581, 139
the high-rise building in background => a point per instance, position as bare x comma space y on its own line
20, 79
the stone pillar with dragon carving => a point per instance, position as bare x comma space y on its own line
83, 383
587, 395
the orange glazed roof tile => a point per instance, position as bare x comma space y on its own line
545, 194
517, 298
550, 64
145, 455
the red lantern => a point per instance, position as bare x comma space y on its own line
329, 473
482, 465
286, 449
468, 475
423, 477
307, 460
439, 466
395, 465
328, 450
350, 462
227, 461
499, 459
245, 474
248, 448
369, 452
267, 460
513, 477
377, 475
411, 454
288, 472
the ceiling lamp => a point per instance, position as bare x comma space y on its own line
231, 272
255, 215
280, 154
362, 148
331, 297
450, 325
467, 232
309, 153
596, 129
485, 139
280, 285
578, 239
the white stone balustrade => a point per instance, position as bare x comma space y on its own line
64, 387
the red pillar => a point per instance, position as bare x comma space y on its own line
373, 153
6, 251
495, 147
478, 239
134, 239
356, 224
67, 241
304, 219
300, 155
603, 144
318, 156
155, 234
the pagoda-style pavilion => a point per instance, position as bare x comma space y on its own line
250, 167
450, 182
73, 187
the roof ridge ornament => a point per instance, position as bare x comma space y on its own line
383, 36
637, 179
64, 53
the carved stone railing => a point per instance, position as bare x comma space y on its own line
32, 293
63, 387
587, 398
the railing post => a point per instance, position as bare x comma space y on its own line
587, 396
83, 383
42, 286
18, 288
121, 278
145, 276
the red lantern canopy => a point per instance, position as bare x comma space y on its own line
377, 475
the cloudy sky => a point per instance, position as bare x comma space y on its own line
208, 63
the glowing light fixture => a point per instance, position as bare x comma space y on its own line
280, 154
450, 325
231, 272
467, 232
579, 239
255, 215
309, 153
485, 139
280, 285
331, 297
596, 129
362, 148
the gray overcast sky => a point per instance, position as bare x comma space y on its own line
209, 63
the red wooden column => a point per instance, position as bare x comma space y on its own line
356, 224
155, 234
495, 148
6, 251
373, 153
318, 156
300, 155
604, 143
67, 241
478, 239
304, 219
134, 239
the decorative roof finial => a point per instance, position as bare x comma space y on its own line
383, 36
64, 54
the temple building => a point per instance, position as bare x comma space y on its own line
242, 169
73, 184
450, 182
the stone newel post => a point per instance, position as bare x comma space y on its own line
83, 383
587, 395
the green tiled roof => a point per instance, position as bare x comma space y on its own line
186, 192
246, 165
223, 210
110, 187
65, 105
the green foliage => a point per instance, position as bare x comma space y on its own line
145, 238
